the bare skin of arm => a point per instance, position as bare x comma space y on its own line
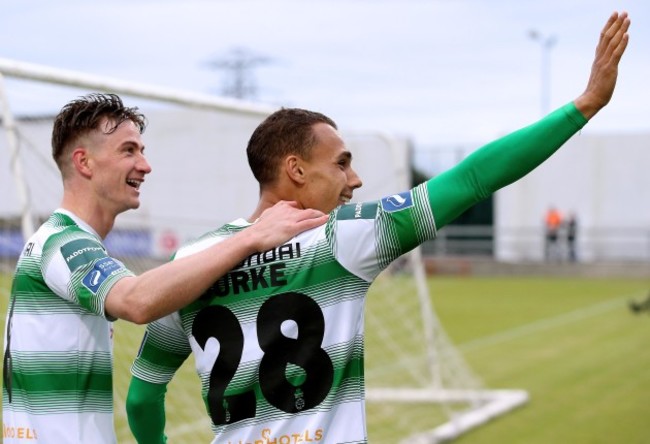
604, 70
165, 289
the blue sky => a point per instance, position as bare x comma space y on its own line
441, 72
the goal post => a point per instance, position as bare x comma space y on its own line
418, 387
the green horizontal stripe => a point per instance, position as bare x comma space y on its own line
62, 382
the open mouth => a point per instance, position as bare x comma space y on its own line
134, 183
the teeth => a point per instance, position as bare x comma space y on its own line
133, 183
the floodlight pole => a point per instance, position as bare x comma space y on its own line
546, 44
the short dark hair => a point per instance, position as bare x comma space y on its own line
85, 114
286, 131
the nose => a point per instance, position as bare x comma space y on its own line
354, 181
143, 165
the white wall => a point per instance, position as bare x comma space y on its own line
201, 179
604, 179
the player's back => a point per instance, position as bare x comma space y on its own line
278, 344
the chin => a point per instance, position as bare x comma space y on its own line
133, 205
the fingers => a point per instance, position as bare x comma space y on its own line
290, 208
282, 222
610, 22
281, 206
302, 220
621, 38
602, 80
614, 37
311, 213
311, 222
288, 214
291, 203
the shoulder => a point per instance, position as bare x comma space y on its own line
393, 203
206, 240
361, 210
61, 234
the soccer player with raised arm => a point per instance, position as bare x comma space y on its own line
278, 341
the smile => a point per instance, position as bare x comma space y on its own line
134, 183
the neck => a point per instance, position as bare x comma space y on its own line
268, 198
94, 215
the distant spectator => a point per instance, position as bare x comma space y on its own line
553, 223
571, 234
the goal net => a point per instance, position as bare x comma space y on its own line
419, 389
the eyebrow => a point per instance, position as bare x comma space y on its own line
131, 143
346, 155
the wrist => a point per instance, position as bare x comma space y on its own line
248, 241
588, 105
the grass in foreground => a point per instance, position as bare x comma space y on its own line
572, 343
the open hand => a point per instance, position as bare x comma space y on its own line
604, 70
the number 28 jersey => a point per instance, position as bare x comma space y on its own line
278, 341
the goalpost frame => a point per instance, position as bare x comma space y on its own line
9, 124
14, 68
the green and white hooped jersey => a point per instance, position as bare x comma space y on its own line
58, 387
278, 341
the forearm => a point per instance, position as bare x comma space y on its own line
501, 163
145, 408
168, 288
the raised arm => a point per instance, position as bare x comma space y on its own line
604, 70
165, 289
510, 158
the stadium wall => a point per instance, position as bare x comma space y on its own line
201, 179
603, 179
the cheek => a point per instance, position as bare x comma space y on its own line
328, 184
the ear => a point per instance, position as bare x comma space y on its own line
294, 167
81, 161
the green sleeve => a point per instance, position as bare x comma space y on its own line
145, 408
500, 163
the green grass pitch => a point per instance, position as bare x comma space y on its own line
572, 343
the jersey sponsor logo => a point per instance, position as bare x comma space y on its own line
268, 436
361, 210
397, 202
26, 433
81, 252
102, 269
95, 275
